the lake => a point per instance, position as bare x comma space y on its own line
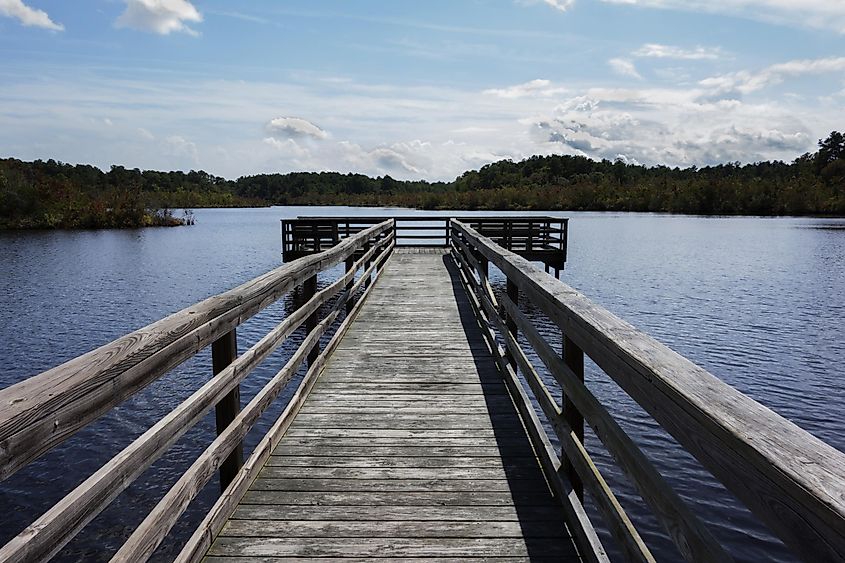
758, 302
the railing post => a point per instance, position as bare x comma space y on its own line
309, 289
381, 262
224, 351
513, 295
350, 302
367, 265
573, 356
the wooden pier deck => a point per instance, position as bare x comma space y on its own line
437, 419
409, 445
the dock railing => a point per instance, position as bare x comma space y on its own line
792, 481
41, 412
534, 237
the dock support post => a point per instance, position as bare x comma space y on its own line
224, 351
573, 356
350, 302
309, 289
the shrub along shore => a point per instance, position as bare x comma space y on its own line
56, 195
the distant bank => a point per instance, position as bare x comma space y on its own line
56, 195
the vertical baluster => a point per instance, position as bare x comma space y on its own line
369, 281
574, 358
530, 243
350, 303
309, 289
224, 351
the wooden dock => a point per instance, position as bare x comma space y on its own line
422, 428
409, 446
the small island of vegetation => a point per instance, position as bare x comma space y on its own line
56, 195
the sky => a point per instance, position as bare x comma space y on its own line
416, 90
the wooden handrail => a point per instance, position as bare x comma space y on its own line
142, 543
791, 480
585, 536
213, 522
63, 521
41, 412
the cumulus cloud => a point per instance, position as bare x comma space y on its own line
624, 67
657, 51
28, 16
673, 130
409, 131
295, 128
745, 82
828, 14
160, 16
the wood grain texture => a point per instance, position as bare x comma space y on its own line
686, 530
147, 536
791, 480
405, 448
584, 534
44, 410
214, 520
57, 526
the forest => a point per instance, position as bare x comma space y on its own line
56, 195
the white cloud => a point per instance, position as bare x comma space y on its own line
295, 128
746, 82
538, 87
159, 16
657, 51
827, 14
411, 131
182, 150
28, 16
561, 5
624, 67
670, 127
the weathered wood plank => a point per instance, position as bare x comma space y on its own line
413, 473
42, 411
214, 520
399, 485
394, 547
423, 443
391, 499
405, 529
397, 512
405, 451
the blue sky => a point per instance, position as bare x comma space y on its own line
416, 89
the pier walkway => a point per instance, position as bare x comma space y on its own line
430, 412
409, 439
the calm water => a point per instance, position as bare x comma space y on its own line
758, 302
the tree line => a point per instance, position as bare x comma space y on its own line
53, 194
